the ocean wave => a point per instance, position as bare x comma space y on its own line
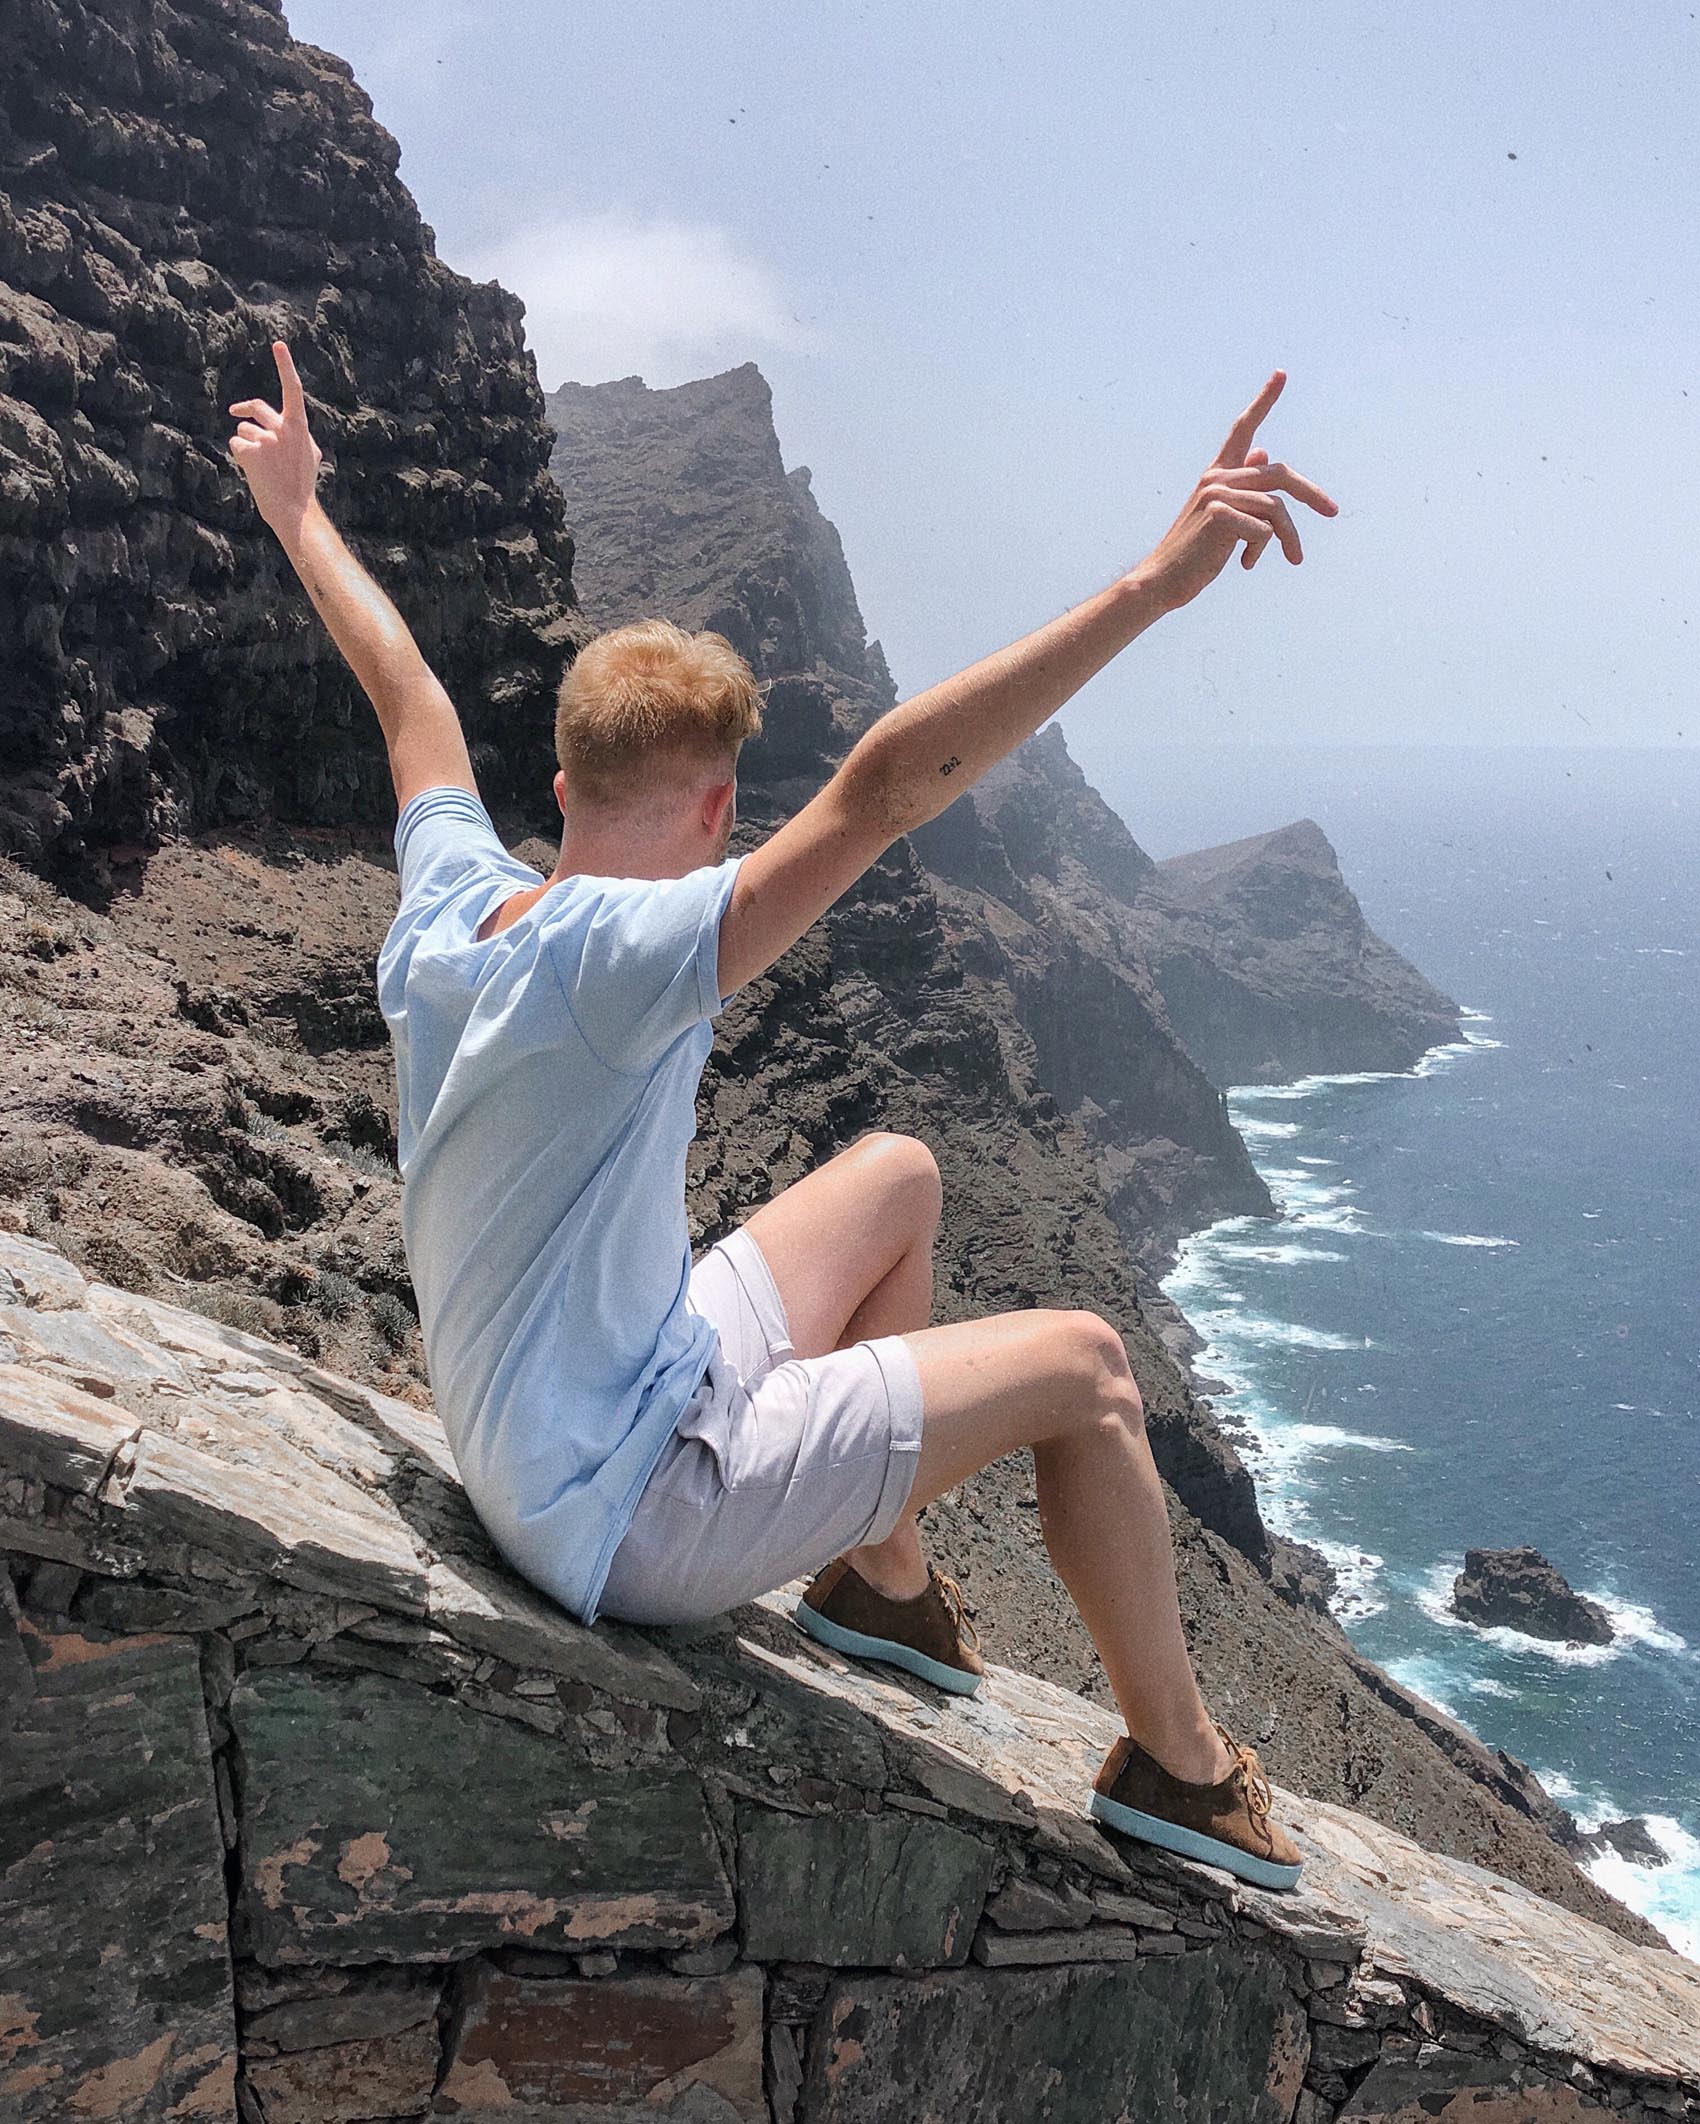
1234, 1328
1250, 1126
1283, 1256
1635, 1625
1357, 1594
1666, 1894
1468, 1239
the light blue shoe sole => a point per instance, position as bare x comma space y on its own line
855, 1645
1192, 1844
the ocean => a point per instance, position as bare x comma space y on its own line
1477, 1319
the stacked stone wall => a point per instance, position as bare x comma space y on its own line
315, 1814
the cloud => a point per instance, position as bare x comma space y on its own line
607, 295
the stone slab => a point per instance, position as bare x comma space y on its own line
863, 1890
383, 1821
1441, 2088
58, 1432
349, 2083
115, 1993
494, 1612
1491, 1947
1192, 2035
324, 1536
566, 2051
1031, 1950
1500, 1951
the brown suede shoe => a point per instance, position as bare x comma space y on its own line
1225, 1824
930, 1635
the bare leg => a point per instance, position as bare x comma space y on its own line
850, 1248
1060, 1382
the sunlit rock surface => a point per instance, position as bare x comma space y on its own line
313, 1806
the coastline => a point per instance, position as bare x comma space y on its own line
1296, 1460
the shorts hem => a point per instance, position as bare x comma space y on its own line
903, 1452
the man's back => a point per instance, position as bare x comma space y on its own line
547, 1084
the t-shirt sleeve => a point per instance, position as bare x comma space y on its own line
443, 838
641, 965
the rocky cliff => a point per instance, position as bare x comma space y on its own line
983, 988
200, 1093
1269, 969
680, 502
182, 183
256, 1659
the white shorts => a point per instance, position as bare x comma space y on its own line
779, 1462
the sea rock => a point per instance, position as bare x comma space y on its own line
1518, 1589
1630, 1839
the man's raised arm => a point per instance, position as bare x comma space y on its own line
280, 461
919, 757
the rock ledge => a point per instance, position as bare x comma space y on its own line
316, 1812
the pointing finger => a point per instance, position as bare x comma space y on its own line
294, 401
1233, 451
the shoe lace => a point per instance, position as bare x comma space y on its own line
1248, 1774
956, 1606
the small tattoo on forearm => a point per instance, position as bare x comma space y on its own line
950, 765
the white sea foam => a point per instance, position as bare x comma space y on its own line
1634, 1625
1318, 1161
1235, 1329
1250, 1126
1666, 1894
1285, 1256
1428, 1679
1357, 1595
1468, 1239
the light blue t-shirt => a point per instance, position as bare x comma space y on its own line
547, 1081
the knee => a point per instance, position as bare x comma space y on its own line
1104, 1390
907, 1174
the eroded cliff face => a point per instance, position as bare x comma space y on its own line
982, 989
681, 503
201, 1092
184, 182
1269, 969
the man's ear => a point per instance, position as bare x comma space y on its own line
716, 802
561, 791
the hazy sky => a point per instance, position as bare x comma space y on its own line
1010, 270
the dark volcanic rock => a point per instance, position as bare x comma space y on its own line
201, 1088
1269, 970
1630, 1839
183, 184
1517, 1589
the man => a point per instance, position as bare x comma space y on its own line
659, 1441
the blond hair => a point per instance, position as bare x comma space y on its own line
648, 697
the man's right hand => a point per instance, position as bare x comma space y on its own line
1238, 501
276, 453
